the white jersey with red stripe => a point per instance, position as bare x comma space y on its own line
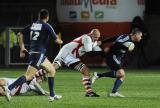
71, 52
20, 89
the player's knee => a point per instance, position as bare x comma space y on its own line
28, 77
121, 73
49, 68
51, 72
82, 68
85, 71
57, 64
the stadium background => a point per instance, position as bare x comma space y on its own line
19, 13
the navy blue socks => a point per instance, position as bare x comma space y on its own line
18, 82
51, 86
117, 84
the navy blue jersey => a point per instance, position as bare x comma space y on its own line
117, 51
39, 35
118, 48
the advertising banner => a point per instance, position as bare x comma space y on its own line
99, 10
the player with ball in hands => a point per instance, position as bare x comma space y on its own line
114, 56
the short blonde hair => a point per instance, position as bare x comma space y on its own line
95, 32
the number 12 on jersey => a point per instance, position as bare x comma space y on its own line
34, 35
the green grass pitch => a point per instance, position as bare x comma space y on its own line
141, 88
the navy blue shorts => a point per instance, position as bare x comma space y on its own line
113, 62
36, 59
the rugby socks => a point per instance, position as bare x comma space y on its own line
117, 84
39, 73
17, 83
51, 86
111, 74
87, 84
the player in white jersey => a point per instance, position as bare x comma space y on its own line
70, 53
33, 85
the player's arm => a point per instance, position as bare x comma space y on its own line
88, 47
38, 88
120, 45
108, 40
95, 53
87, 42
20, 40
54, 35
59, 41
23, 50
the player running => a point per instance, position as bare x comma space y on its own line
39, 34
114, 57
70, 56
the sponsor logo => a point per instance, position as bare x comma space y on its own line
88, 3
73, 14
85, 15
99, 14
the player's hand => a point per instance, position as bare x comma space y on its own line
99, 43
129, 45
46, 93
106, 50
23, 52
59, 41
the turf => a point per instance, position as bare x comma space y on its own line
141, 88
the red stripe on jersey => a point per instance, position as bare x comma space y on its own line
18, 90
75, 50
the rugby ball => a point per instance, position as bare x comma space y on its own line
129, 45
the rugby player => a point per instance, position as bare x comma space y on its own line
114, 58
33, 85
39, 35
70, 54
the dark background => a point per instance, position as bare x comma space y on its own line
19, 13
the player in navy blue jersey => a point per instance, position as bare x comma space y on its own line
114, 57
39, 34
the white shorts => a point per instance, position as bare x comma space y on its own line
66, 57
